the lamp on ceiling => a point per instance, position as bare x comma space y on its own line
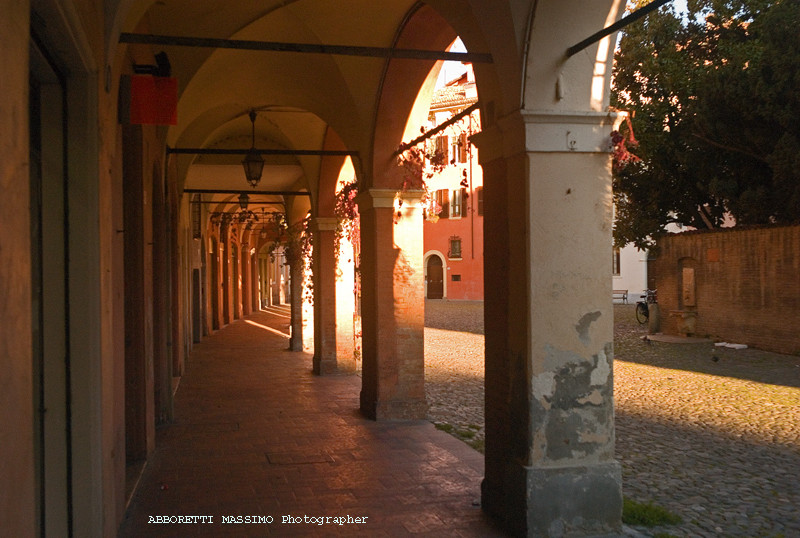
253, 162
244, 198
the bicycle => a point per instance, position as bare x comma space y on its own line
643, 308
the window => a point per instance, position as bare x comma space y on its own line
455, 247
442, 198
442, 151
457, 206
458, 149
615, 262
455, 278
462, 148
479, 196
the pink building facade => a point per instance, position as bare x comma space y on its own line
453, 239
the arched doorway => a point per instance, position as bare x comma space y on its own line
434, 278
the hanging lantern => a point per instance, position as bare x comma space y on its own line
253, 162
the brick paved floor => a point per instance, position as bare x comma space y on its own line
257, 434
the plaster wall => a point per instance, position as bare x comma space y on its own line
632, 273
17, 503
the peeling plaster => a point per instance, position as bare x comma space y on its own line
539, 446
602, 370
556, 359
544, 386
584, 324
595, 438
595, 398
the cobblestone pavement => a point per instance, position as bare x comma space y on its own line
711, 434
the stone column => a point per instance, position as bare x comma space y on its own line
550, 468
275, 271
255, 283
226, 282
293, 259
247, 283
325, 295
393, 306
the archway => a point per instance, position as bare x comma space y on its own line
434, 277
544, 153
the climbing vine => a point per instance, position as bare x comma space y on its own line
346, 212
296, 240
620, 154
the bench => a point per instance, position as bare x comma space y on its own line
621, 295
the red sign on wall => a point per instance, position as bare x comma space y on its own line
151, 100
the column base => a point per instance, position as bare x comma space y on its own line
562, 501
324, 366
333, 366
412, 409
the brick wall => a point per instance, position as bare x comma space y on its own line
747, 285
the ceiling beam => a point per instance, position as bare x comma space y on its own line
311, 152
312, 48
624, 21
236, 202
270, 193
438, 129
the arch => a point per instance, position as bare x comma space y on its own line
400, 89
330, 171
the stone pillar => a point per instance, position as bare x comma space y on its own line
393, 306
255, 283
247, 283
295, 263
333, 314
276, 272
550, 468
226, 282
325, 295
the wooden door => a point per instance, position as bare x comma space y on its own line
435, 278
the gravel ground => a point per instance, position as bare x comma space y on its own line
711, 434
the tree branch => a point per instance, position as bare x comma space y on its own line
729, 148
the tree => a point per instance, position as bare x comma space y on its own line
714, 101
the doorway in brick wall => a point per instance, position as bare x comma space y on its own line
434, 278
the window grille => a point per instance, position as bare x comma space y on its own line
455, 247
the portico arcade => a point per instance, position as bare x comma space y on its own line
114, 280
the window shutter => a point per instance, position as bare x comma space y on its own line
479, 195
462, 148
458, 205
443, 148
442, 198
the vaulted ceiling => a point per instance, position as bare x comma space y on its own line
298, 96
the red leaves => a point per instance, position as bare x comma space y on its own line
621, 157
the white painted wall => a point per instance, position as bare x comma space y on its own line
632, 273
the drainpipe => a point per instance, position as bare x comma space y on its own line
471, 193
